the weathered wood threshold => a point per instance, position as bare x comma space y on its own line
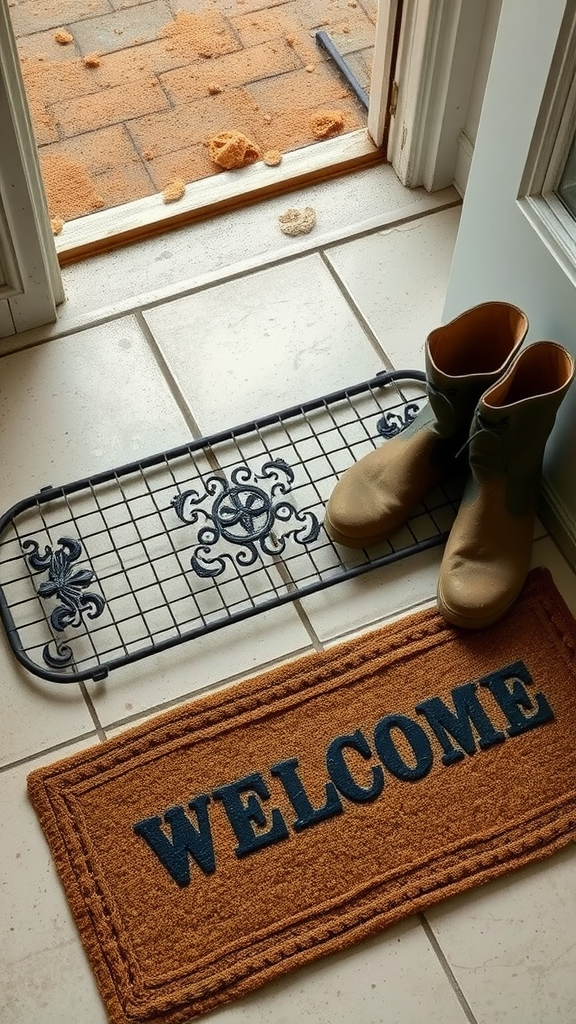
220, 193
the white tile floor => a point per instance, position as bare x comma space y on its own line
235, 321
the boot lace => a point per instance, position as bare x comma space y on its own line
444, 393
482, 426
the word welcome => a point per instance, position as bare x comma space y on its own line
355, 768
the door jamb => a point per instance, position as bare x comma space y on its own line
33, 284
436, 61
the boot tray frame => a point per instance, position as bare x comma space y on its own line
110, 569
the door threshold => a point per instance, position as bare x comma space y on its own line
143, 218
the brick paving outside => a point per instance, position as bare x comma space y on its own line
123, 129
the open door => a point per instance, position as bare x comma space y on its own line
30, 282
517, 237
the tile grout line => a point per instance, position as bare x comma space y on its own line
296, 604
426, 604
176, 702
447, 969
169, 377
63, 745
92, 710
219, 277
262, 262
355, 309
305, 620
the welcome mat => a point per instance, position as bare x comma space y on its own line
256, 829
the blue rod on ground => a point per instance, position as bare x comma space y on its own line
324, 40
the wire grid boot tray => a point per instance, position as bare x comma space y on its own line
112, 568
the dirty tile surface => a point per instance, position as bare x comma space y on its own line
153, 375
262, 343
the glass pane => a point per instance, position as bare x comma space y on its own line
566, 190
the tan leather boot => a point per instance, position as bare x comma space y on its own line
463, 358
487, 557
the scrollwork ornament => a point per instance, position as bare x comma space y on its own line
391, 423
245, 513
67, 583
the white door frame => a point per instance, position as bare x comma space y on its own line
30, 280
434, 73
382, 97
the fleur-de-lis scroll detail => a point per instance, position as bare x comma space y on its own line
68, 584
245, 514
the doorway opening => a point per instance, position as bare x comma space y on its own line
142, 102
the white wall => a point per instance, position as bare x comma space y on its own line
498, 254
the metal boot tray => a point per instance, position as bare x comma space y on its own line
110, 569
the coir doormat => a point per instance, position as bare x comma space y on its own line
217, 846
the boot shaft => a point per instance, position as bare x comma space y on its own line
465, 357
514, 419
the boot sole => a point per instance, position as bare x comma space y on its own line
466, 621
358, 543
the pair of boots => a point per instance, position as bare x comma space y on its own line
494, 403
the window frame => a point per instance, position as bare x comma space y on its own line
552, 141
